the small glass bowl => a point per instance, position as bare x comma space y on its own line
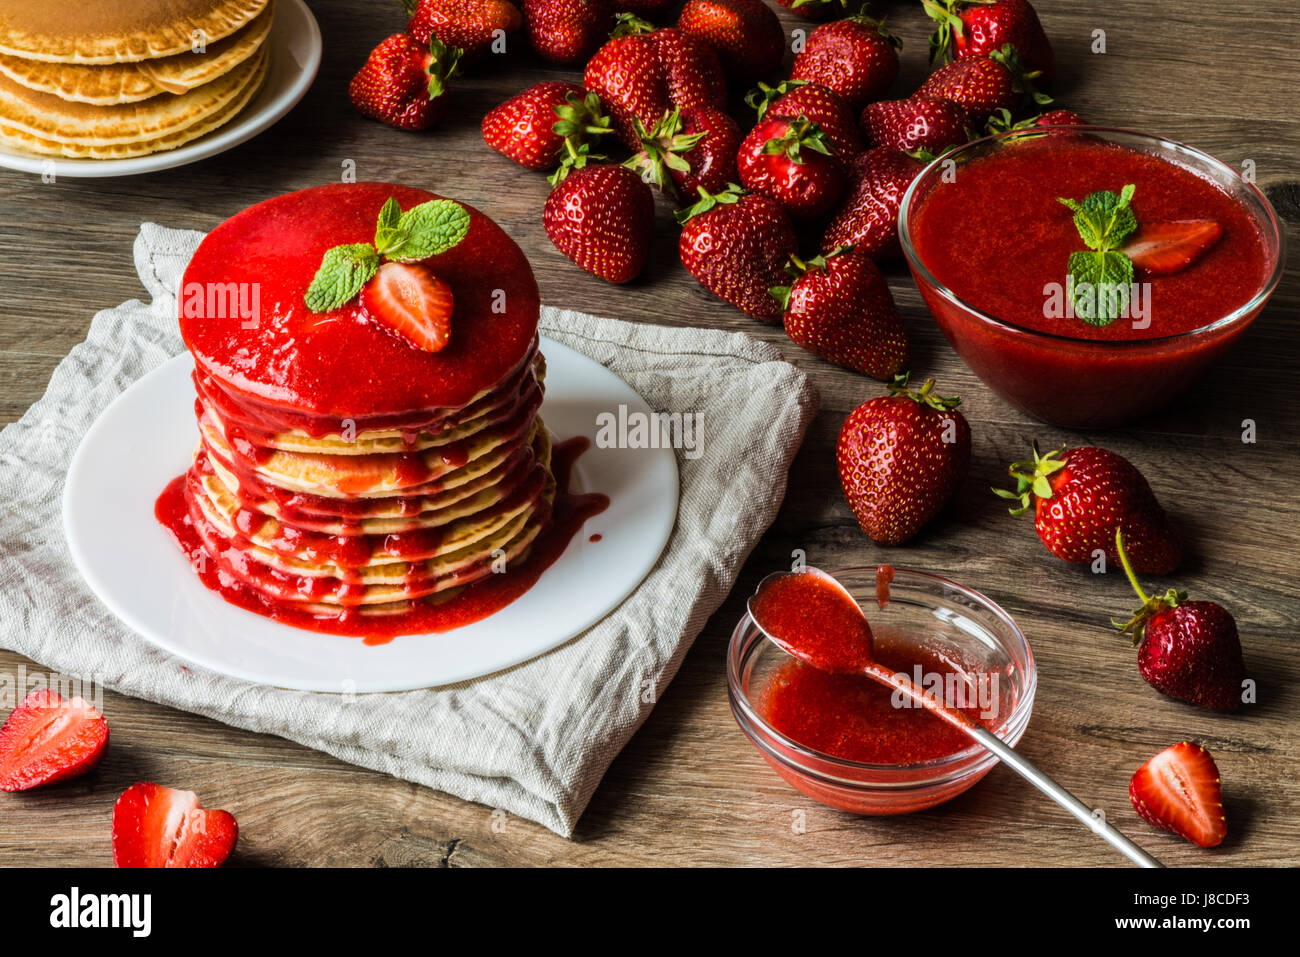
948, 619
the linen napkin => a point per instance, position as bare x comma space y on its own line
535, 739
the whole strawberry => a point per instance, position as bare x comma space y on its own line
789, 159
919, 123
404, 83
602, 217
1188, 650
531, 127
626, 75
839, 307
736, 245
567, 31
984, 84
978, 27
1180, 790
468, 25
746, 35
868, 217
1002, 122
690, 68
814, 101
1082, 497
689, 151
855, 57
901, 457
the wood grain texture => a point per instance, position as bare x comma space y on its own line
689, 790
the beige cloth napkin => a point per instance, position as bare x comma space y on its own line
534, 740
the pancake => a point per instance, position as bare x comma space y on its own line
117, 83
116, 31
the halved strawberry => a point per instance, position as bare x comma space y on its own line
409, 299
1160, 249
48, 739
1179, 790
156, 826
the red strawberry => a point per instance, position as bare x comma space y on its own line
1180, 790
746, 35
790, 160
824, 107
468, 25
1083, 496
868, 217
412, 302
1188, 650
690, 151
984, 84
404, 83
156, 826
920, 123
1002, 122
839, 308
736, 245
567, 31
901, 457
47, 739
602, 217
691, 70
855, 57
625, 74
1059, 118
1163, 248
531, 127
977, 27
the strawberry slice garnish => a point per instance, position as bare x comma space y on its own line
1160, 249
410, 300
156, 826
1179, 790
48, 739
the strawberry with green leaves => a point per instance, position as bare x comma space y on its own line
470, 26
746, 35
688, 151
397, 287
1081, 497
855, 57
901, 457
736, 245
976, 27
1002, 122
839, 307
920, 123
1188, 650
868, 217
985, 84
532, 127
404, 83
567, 31
789, 159
814, 101
1180, 790
602, 218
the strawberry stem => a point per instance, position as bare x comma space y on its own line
1151, 606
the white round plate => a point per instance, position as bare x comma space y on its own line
295, 48
144, 439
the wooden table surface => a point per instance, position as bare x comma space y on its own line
689, 789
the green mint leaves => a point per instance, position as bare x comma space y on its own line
1101, 278
426, 230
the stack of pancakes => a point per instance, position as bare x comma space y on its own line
111, 79
397, 494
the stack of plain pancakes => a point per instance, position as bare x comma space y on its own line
111, 79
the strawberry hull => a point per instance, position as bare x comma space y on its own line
1002, 320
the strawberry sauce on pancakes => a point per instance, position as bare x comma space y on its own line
354, 475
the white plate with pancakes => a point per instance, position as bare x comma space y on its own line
79, 98
144, 439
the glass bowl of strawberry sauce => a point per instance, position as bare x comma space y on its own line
844, 740
989, 246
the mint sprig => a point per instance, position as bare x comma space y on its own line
423, 231
1102, 276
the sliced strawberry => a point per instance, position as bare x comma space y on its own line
156, 826
1179, 790
409, 299
1160, 249
48, 739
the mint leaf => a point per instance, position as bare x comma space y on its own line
1101, 285
388, 233
343, 271
429, 229
1104, 219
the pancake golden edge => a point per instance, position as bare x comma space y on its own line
117, 83
117, 31
18, 139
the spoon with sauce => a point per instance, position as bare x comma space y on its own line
812, 617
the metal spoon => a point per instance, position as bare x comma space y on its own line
855, 657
